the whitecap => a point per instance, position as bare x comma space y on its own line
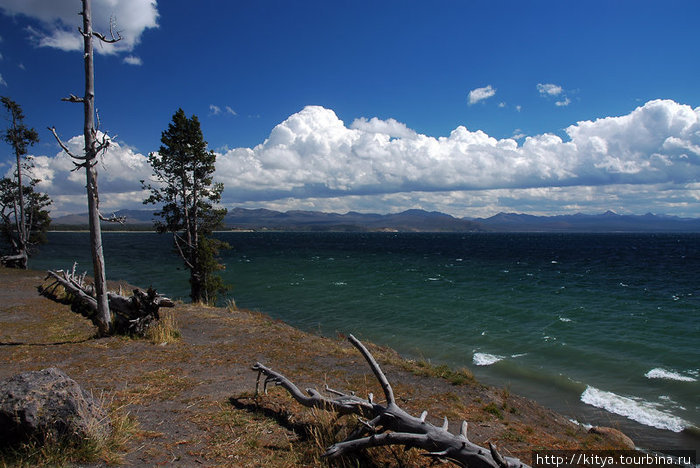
518, 355
586, 426
433, 279
340, 283
484, 359
659, 373
637, 410
565, 319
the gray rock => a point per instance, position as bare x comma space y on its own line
614, 435
48, 405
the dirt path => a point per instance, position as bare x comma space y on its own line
191, 397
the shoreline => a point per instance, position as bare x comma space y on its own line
209, 367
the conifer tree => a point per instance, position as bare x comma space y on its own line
183, 171
23, 217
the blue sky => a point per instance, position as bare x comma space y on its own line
465, 107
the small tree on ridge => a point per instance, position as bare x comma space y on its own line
183, 170
23, 216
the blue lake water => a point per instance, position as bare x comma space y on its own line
604, 328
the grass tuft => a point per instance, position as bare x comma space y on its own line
165, 330
109, 449
424, 368
231, 305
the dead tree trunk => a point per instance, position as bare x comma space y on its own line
388, 424
131, 315
88, 160
90, 133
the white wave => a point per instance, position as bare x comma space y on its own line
640, 411
565, 319
340, 283
484, 359
659, 373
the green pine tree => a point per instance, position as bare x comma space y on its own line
183, 187
24, 218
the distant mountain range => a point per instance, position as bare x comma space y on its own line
606, 222
416, 221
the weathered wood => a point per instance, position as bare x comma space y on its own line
15, 261
388, 424
130, 315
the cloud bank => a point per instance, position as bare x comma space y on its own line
59, 19
647, 160
314, 153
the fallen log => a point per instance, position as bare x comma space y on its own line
15, 261
131, 315
389, 424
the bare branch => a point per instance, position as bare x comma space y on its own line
73, 98
388, 392
391, 425
113, 219
177, 239
344, 404
113, 38
132, 315
62, 145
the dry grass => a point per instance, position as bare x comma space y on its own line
165, 330
249, 431
159, 385
108, 449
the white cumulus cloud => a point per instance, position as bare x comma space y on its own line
553, 91
479, 94
58, 21
120, 170
133, 60
314, 154
549, 89
646, 160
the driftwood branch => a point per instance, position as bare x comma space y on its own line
14, 261
113, 218
388, 424
130, 315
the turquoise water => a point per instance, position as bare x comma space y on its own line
604, 328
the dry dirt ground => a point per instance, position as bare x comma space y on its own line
192, 399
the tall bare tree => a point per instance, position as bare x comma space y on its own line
95, 144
